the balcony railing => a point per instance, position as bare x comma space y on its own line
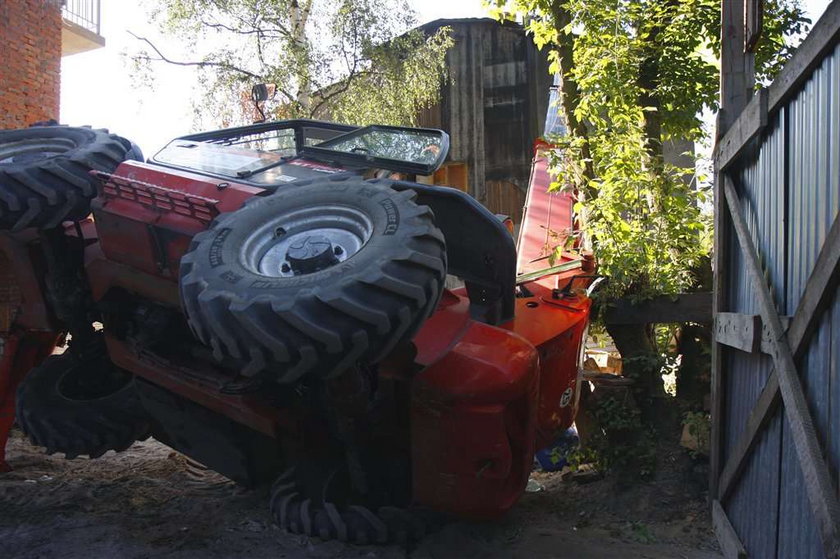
84, 13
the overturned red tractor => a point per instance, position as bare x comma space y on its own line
272, 301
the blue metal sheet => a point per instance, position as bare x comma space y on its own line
762, 189
813, 171
790, 191
754, 505
797, 529
833, 435
797, 533
761, 183
814, 200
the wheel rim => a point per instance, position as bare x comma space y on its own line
86, 381
306, 240
25, 151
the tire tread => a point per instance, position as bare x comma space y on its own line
362, 316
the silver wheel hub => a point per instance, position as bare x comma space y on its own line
306, 240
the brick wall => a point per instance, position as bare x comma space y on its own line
30, 61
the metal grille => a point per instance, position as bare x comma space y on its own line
159, 198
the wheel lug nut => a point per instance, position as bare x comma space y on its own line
338, 250
279, 232
285, 268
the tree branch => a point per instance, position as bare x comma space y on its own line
338, 91
202, 64
278, 32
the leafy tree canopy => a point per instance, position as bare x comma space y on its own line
635, 74
356, 61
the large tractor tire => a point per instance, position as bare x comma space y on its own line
80, 407
45, 173
317, 499
314, 278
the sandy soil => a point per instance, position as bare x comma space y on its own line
151, 502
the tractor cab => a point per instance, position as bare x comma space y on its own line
277, 153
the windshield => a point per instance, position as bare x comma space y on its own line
403, 145
415, 150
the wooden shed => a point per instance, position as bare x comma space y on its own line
493, 107
776, 358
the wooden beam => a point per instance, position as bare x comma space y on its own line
808, 56
746, 127
737, 68
820, 489
730, 543
820, 288
742, 127
766, 341
741, 331
687, 307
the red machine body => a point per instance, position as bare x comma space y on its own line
482, 397
27, 331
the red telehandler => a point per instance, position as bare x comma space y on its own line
271, 301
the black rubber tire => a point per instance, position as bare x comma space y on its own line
298, 507
44, 188
324, 321
76, 427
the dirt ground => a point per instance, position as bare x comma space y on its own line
151, 502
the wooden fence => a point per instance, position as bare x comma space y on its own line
776, 357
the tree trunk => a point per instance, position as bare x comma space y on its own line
299, 16
648, 82
640, 361
695, 374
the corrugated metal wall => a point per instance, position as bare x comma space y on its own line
493, 107
790, 191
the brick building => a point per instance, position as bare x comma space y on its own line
34, 35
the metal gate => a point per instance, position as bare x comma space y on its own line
776, 360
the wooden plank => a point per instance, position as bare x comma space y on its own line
719, 255
808, 56
741, 331
820, 288
735, 83
747, 126
767, 343
820, 489
687, 307
743, 126
737, 68
730, 543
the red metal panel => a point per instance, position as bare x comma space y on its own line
20, 353
203, 386
548, 216
147, 215
103, 274
556, 328
473, 418
21, 250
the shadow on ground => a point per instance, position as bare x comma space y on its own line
151, 502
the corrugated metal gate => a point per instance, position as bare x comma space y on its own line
776, 384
